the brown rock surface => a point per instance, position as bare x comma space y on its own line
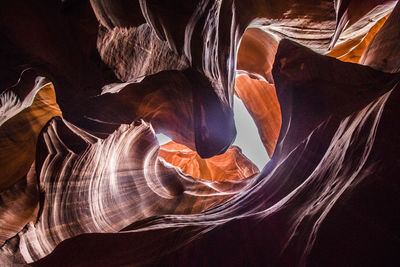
256, 53
18, 136
260, 100
90, 189
383, 51
232, 165
328, 186
352, 49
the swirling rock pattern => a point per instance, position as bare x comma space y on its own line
93, 187
291, 213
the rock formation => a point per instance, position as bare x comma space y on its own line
86, 85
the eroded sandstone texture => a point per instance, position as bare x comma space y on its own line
86, 85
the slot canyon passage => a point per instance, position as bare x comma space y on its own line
87, 86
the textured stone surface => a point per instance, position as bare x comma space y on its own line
90, 188
18, 135
262, 103
326, 192
232, 165
382, 53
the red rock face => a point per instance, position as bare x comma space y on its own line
232, 165
85, 86
262, 103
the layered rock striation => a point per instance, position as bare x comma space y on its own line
86, 85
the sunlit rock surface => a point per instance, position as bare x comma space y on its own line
355, 18
22, 121
109, 185
93, 187
256, 53
384, 49
320, 190
232, 165
353, 48
262, 103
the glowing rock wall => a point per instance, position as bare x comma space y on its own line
85, 85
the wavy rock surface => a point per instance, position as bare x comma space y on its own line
22, 122
304, 201
355, 17
232, 165
383, 51
353, 48
93, 185
94, 190
19, 206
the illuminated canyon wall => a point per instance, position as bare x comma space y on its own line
85, 86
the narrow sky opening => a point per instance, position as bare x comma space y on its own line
247, 137
163, 139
